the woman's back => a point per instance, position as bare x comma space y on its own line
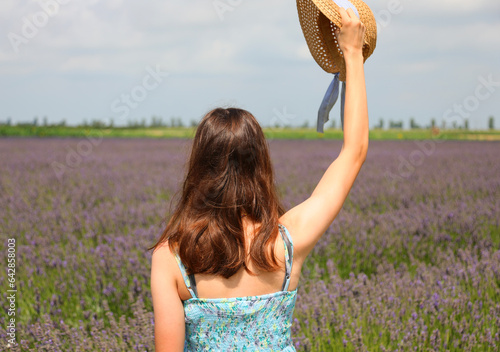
222, 307
244, 284
242, 312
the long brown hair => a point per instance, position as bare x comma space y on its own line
229, 176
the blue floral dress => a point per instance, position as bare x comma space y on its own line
251, 323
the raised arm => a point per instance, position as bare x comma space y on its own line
309, 220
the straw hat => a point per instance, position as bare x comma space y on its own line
318, 19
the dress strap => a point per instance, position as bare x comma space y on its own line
287, 239
188, 279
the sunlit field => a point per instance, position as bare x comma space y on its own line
411, 263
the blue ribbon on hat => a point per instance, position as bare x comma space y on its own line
331, 97
332, 94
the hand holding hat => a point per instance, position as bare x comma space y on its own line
319, 20
351, 37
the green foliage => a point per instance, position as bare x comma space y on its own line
396, 124
136, 130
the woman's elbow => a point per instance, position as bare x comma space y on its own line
363, 152
358, 154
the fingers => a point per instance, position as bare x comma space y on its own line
347, 15
351, 32
343, 14
349, 18
351, 13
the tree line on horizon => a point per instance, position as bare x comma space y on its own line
176, 122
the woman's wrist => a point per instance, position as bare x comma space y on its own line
353, 56
353, 63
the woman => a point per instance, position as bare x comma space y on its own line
225, 272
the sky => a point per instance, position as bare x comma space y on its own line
123, 60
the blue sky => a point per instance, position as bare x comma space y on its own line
128, 60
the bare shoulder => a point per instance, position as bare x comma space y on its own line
163, 260
162, 250
306, 225
167, 305
296, 231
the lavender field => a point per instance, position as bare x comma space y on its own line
412, 262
